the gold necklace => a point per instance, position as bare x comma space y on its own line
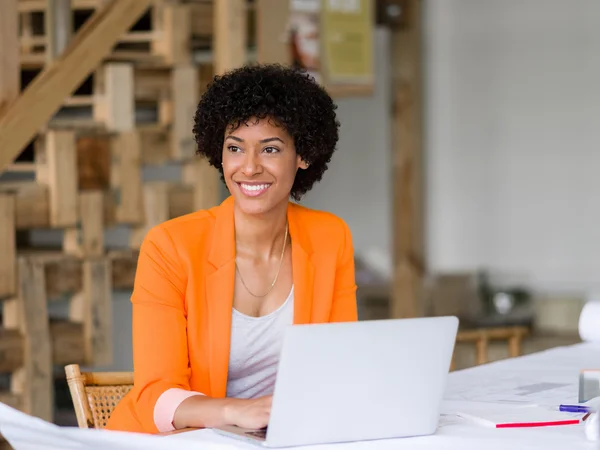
276, 275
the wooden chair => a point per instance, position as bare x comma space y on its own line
482, 336
95, 394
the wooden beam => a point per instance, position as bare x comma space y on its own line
93, 161
87, 240
8, 246
184, 88
93, 308
28, 314
11, 350
155, 143
204, 180
45, 94
41, 5
151, 83
201, 16
156, 205
272, 17
67, 342
98, 320
181, 200
206, 73
14, 401
56, 167
64, 276
9, 53
124, 265
67, 346
126, 178
115, 103
229, 35
32, 206
92, 223
407, 166
176, 29
64, 273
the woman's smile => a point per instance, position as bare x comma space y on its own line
253, 188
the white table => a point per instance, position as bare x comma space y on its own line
559, 366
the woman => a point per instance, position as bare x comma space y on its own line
215, 289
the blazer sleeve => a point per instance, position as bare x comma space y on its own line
344, 308
160, 351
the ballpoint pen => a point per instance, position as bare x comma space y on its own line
575, 408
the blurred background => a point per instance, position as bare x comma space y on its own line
466, 167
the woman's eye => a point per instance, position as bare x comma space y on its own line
271, 150
233, 148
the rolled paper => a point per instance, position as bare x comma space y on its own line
589, 322
592, 427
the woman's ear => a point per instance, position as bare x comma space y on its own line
303, 164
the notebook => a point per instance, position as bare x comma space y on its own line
501, 416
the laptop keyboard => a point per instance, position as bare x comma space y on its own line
262, 433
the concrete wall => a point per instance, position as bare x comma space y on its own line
513, 139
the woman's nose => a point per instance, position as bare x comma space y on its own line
251, 164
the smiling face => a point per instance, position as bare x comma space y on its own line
260, 165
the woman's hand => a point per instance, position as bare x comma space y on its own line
249, 413
204, 412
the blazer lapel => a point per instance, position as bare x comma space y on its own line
220, 287
219, 297
302, 267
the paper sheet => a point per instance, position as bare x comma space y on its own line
517, 390
24, 432
489, 414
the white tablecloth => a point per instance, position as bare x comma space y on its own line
556, 368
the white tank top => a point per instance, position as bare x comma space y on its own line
254, 353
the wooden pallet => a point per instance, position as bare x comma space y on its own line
84, 177
119, 96
31, 343
76, 190
162, 36
168, 33
71, 200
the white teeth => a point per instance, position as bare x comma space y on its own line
254, 187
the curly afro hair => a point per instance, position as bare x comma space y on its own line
287, 96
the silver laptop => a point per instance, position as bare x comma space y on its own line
357, 381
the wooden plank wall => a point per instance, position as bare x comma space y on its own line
20, 122
28, 314
9, 53
8, 246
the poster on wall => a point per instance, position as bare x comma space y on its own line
347, 41
305, 36
333, 41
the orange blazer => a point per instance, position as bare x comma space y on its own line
183, 296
